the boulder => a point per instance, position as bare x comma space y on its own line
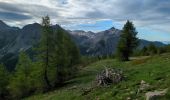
143, 85
155, 94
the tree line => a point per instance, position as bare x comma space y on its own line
151, 50
54, 62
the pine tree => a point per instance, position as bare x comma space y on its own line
128, 41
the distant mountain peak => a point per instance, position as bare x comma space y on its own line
79, 31
1, 22
166, 42
30, 26
3, 25
112, 28
88, 34
56, 26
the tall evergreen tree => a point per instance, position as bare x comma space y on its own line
128, 41
45, 47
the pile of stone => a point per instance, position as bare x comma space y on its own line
109, 76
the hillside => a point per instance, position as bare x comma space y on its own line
155, 71
84, 50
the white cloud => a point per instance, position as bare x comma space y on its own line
145, 13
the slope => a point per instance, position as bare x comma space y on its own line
153, 70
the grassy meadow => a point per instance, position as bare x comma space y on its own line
153, 70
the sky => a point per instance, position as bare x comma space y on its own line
150, 17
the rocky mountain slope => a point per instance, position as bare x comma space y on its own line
102, 43
13, 40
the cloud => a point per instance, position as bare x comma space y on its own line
14, 16
145, 13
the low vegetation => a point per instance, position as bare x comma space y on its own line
155, 71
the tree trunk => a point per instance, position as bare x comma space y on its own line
46, 67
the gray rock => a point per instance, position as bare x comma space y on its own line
155, 94
128, 98
143, 85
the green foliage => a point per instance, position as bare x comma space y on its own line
4, 79
86, 60
67, 55
164, 49
128, 42
37, 77
21, 82
152, 49
153, 70
57, 54
55, 61
46, 51
144, 51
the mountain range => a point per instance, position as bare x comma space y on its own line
14, 39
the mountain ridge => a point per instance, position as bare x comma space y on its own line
94, 43
13, 40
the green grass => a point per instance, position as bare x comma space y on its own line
154, 70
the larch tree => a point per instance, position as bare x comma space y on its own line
45, 48
21, 82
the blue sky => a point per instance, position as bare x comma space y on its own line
143, 32
150, 17
153, 35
